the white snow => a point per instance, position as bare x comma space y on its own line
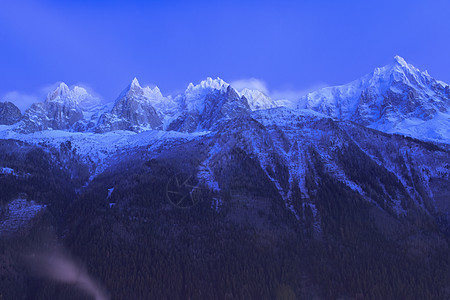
369, 98
166, 107
195, 94
257, 99
5, 170
77, 96
135, 83
436, 129
96, 148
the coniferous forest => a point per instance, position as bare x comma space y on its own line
144, 247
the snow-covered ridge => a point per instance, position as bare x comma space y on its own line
164, 105
257, 99
194, 95
397, 98
381, 80
206, 86
94, 148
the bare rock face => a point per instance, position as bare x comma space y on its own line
43, 116
133, 110
9, 113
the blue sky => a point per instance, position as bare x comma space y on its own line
289, 46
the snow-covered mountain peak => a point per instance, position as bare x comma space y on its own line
62, 108
152, 96
257, 99
152, 92
396, 98
133, 110
63, 88
398, 71
400, 61
207, 85
401, 66
134, 89
164, 105
62, 91
135, 83
76, 97
195, 94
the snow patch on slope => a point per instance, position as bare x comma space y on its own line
436, 130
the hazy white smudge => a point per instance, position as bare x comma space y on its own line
55, 265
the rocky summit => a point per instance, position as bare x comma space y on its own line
9, 113
223, 194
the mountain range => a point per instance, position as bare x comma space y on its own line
397, 98
330, 122
343, 193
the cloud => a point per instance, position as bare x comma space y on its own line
250, 83
21, 100
295, 94
44, 90
24, 100
88, 89
286, 96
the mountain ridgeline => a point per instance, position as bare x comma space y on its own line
224, 194
397, 98
137, 109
